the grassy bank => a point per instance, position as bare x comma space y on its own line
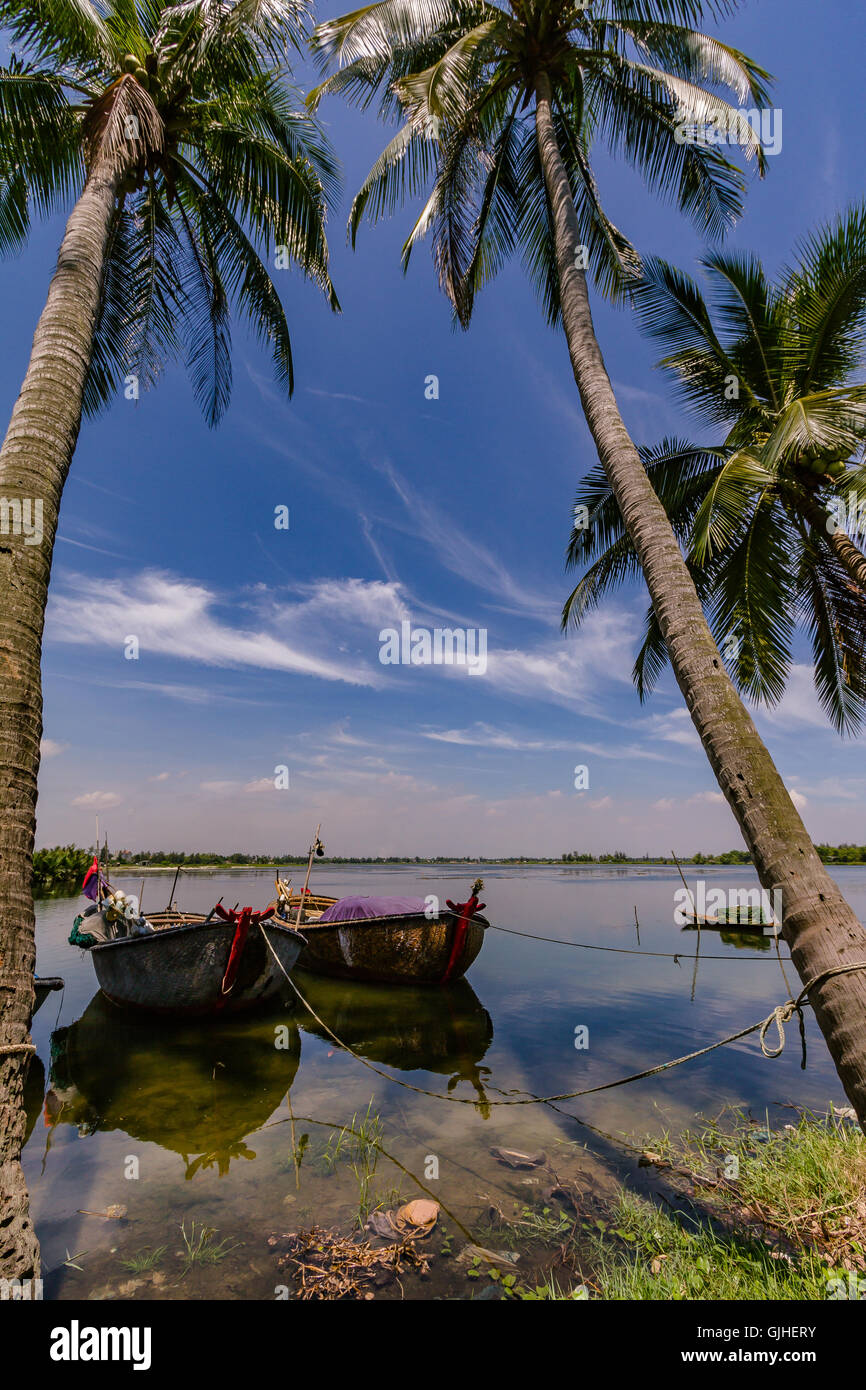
741, 1211
731, 1210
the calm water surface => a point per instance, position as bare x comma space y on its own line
205, 1113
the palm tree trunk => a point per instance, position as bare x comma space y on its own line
34, 462
818, 924
849, 555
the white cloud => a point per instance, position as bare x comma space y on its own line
798, 707
176, 617
98, 800
50, 748
481, 735
569, 672
675, 726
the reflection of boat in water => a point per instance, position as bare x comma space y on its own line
197, 1090
447, 1031
746, 940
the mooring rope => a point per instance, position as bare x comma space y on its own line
8, 1048
620, 950
780, 1016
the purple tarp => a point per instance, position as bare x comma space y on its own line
356, 909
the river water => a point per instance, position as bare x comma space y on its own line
198, 1127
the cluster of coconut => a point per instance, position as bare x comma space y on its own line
145, 74
824, 462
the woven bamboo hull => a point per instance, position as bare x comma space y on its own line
408, 950
180, 969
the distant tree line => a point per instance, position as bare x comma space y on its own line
60, 870
842, 854
171, 858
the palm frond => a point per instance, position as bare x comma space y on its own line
651, 659
835, 616
729, 502
57, 32
752, 609
246, 279
828, 313
402, 170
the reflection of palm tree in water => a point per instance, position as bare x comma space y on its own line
467, 1068
221, 1158
476, 1076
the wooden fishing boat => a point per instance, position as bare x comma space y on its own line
746, 920
399, 944
187, 963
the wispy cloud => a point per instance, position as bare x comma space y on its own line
176, 617
483, 735
464, 554
570, 671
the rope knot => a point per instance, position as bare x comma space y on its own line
780, 1016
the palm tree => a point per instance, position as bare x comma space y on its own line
170, 129
501, 105
759, 515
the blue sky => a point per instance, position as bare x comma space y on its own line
258, 647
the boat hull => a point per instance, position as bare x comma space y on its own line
179, 970
410, 950
43, 986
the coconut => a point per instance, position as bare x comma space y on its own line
130, 62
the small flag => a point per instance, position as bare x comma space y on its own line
91, 879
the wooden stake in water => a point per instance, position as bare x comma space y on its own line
686, 886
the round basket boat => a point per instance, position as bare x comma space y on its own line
399, 945
179, 968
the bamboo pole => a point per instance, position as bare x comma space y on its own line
98, 870
173, 886
307, 879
